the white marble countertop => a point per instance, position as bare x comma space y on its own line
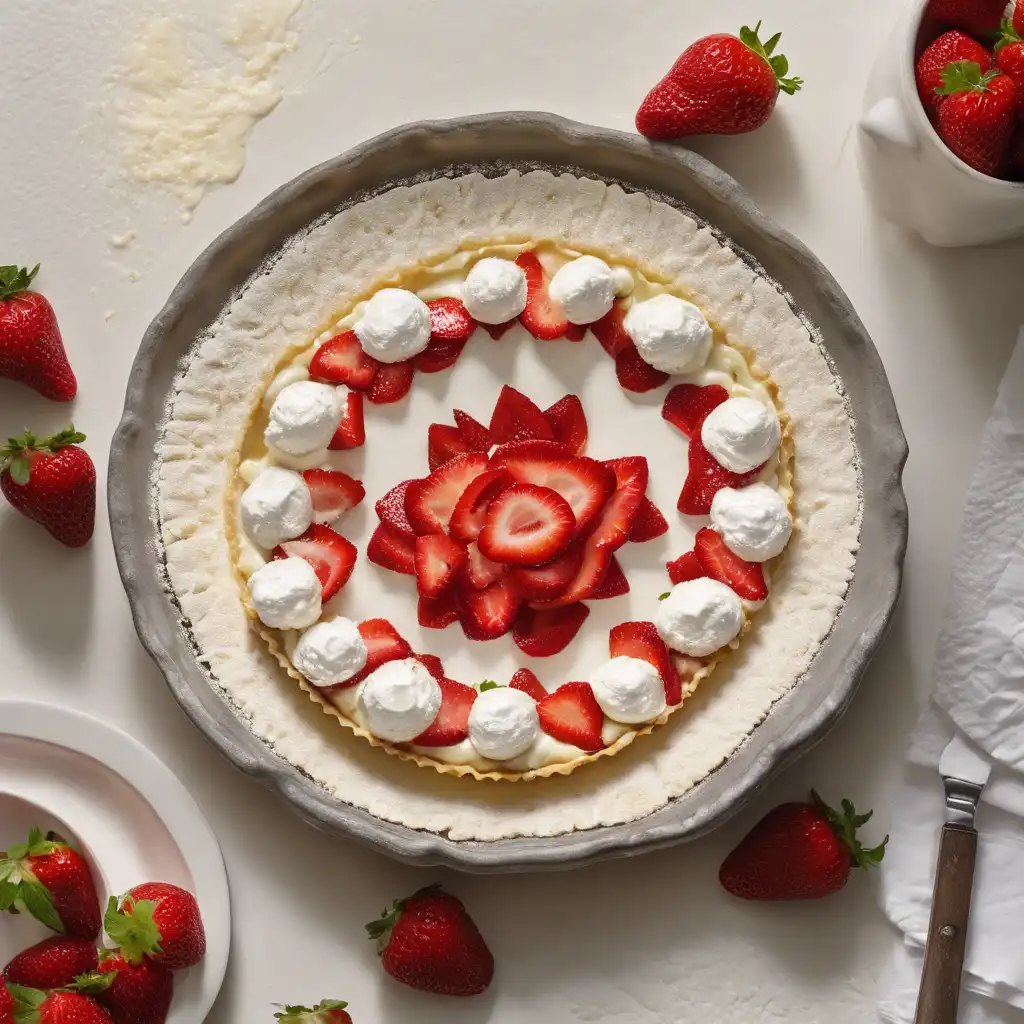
622, 942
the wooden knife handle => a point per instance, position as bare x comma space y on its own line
947, 931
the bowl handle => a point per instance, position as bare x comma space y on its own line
887, 123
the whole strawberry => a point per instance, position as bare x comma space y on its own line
33, 1006
31, 349
138, 993
51, 880
159, 921
977, 116
799, 852
979, 17
1010, 60
428, 941
721, 85
52, 963
950, 47
329, 1011
53, 482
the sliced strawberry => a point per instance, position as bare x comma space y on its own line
614, 583
587, 581
568, 423
746, 578
351, 432
391, 382
439, 612
549, 581
392, 550
333, 493
685, 568
543, 317
429, 503
332, 556
642, 640
649, 523
584, 483
517, 418
438, 560
526, 525
471, 509
575, 332
705, 478
616, 519
687, 405
450, 320
488, 614
497, 331
540, 633
432, 663
523, 679
477, 436
383, 644
438, 355
452, 723
341, 360
481, 572
635, 374
610, 332
443, 444
572, 715
391, 510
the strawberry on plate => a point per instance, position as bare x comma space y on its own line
342, 360
541, 633
429, 503
977, 116
685, 568
159, 921
635, 373
642, 640
611, 333
615, 521
568, 423
543, 317
489, 613
432, 663
526, 525
383, 644
587, 581
718, 562
52, 963
444, 442
979, 17
133, 993
705, 477
438, 560
523, 679
451, 725
34, 1006
550, 581
470, 512
481, 572
333, 493
327, 1011
438, 356
392, 550
799, 851
951, 46
332, 556
438, 612
351, 432
450, 328
614, 583
572, 715
687, 406
518, 418
391, 509
477, 436
649, 523
498, 331
391, 383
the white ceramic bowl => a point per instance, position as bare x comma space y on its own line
913, 177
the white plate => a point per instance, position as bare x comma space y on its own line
67, 771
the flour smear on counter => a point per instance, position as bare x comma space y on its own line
189, 95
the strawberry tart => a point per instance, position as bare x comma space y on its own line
501, 474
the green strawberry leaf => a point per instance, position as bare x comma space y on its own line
93, 983
845, 826
295, 1013
751, 38
135, 932
665, 596
28, 998
488, 684
15, 279
8, 894
1007, 35
964, 76
20, 470
39, 903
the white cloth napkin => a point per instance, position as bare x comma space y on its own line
980, 686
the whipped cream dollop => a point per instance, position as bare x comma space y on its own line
399, 700
494, 291
700, 617
585, 289
395, 325
286, 594
629, 690
503, 723
671, 334
754, 521
741, 434
275, 507
304, 417
330, 652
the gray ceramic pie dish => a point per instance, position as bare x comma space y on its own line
502, 140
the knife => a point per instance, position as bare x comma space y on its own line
964, 773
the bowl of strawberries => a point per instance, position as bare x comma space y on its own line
942, 133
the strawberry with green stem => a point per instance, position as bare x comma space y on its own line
159, 921
61, 1006
976, 118
327, 1011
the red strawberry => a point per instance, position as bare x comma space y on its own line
51, 881
470, 512
351, 431
391, 383
332, 556
481, 572
568, 423
429, 942
1018, 17
383, 644
799, 852
525, 680
950, 47
635, 373
498, 331
649, 523
705, 478
341, 360
333, 493
517, 418
32, 1006
543, 317
616, 519
432, 664
526, 525
31, 349
687, 405
392, 550
549, 581
720, 85
685, 568
642, 640
609, 330
6, 1005
53, 482
979, 17
572, 715
160, 921
438, 560
746, 578
443, 444
575, 332
1010, 60
437, 613
977, 116
614, 583
438, 356
429, 503
449, 320
477, 436
542, 633
328, 1011
391, 510
140, 993
52, 963
587, 581
489, 613
452, 723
